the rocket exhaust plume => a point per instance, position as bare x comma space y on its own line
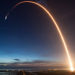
55, 24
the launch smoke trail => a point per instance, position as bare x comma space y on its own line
55, 24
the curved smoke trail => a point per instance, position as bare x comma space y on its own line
55, 24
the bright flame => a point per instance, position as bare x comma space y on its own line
56, 25
72, 69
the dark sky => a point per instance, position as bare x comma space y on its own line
29, 35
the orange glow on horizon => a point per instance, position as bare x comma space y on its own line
55, 24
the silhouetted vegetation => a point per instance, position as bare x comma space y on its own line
22, 72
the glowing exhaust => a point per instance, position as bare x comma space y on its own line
55, 24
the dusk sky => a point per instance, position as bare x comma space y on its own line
29, 35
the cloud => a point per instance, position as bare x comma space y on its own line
18, 60
36, 63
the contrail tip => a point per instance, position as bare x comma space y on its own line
5, 17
